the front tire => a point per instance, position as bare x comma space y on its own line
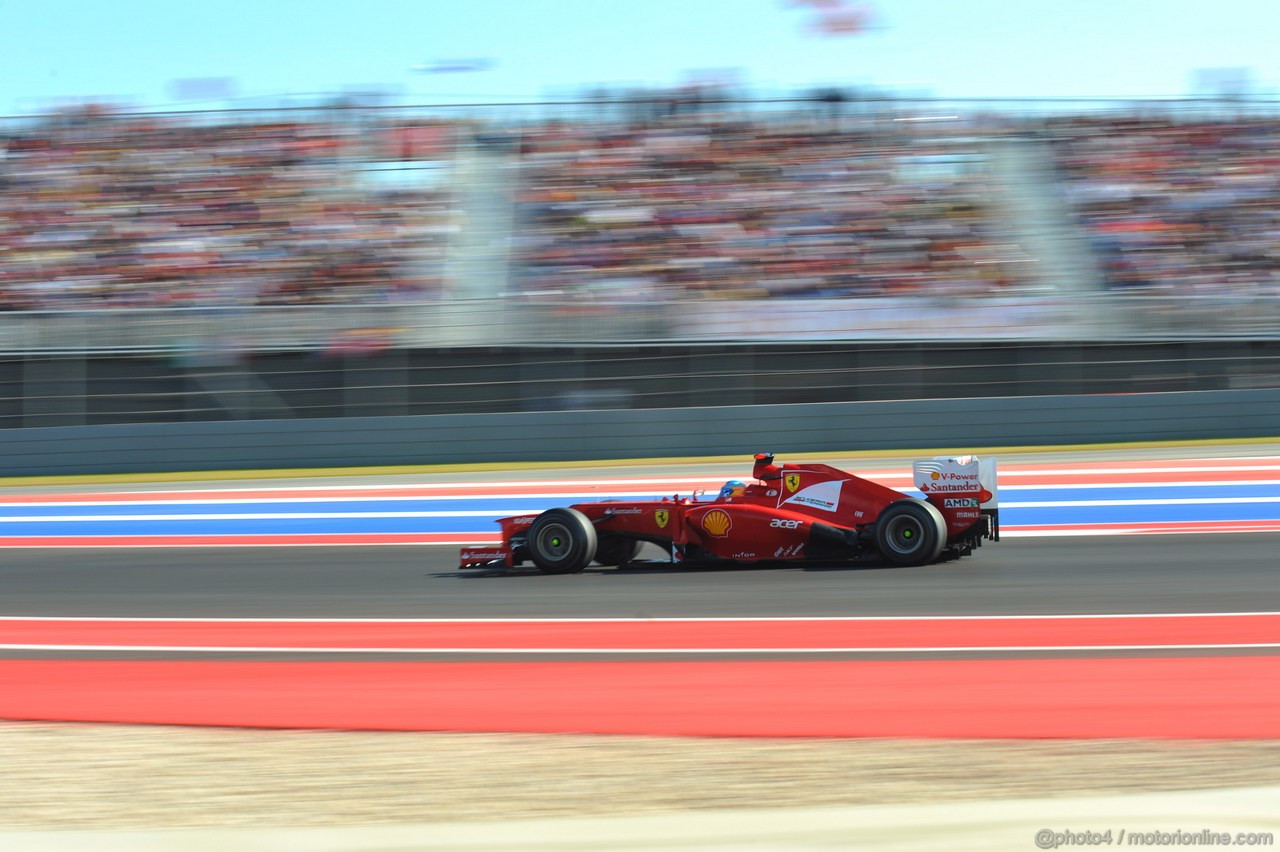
911, 532
562, 541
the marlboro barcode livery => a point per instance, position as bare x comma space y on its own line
791, 512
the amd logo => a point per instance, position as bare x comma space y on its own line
959, 503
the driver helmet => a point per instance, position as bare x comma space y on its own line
733, 488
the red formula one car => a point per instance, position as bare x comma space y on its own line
801, 512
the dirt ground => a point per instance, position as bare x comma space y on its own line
94, 776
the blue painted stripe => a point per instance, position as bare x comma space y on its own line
500, 506
277, 526
1140, 514
1012, 516
87, 520
1151, 492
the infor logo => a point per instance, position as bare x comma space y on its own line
717, 523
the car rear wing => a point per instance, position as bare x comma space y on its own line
942, 476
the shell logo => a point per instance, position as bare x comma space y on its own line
935, 476
717, 523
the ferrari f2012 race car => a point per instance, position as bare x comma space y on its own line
800, 512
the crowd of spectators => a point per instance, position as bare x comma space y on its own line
101, 210
713, 207
696, 201
1187, 208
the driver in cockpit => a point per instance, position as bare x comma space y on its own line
764, 470
733, 488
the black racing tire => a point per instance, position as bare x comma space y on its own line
561, 541
613, 550
911, 532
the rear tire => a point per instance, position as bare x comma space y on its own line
612, 550
911, 532
562, 541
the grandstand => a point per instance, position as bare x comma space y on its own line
868, 224
99, 211
230, 248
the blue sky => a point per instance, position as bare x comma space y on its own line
131, 51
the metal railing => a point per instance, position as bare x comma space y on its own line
214, 332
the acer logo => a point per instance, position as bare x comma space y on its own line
783, 524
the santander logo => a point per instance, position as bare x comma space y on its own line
953, 477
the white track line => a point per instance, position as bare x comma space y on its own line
749, 619
1162, 501
585, 496
495, 513
878, 473
251, 516
1087, 531
958, 649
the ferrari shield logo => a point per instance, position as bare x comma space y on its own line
793, 481
662, 516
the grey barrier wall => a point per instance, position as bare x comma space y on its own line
105, 389
943, 424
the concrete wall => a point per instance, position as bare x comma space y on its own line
957, 424
102, 390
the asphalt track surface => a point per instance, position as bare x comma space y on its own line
1188, 573
1204, 675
